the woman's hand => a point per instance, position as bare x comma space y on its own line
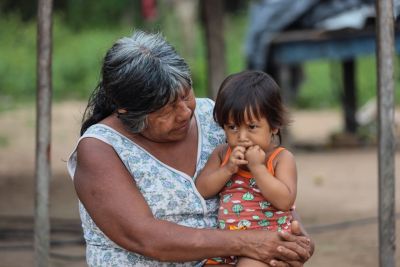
306, 243
276, 249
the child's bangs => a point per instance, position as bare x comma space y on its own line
239, 114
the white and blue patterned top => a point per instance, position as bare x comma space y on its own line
170, 194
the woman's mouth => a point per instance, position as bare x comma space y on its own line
182, 126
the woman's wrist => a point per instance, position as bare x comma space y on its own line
240, 243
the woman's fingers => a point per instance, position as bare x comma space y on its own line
295, 248
276, 263
292, 251
282, 263
305, 241
295, 238
295, 228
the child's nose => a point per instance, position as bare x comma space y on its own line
242, 135
243, 138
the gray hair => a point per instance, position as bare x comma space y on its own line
140, 74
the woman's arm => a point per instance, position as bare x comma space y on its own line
109, 194
213, 177
280, 190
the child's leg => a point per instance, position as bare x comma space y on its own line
219, 265
247, 262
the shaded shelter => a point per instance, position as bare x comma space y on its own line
285, 34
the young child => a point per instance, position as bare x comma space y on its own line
255, 177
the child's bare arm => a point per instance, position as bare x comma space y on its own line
280, 190
213, 177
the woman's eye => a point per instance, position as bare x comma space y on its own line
186, 96
166, 113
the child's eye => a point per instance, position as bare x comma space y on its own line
252, 126
232, 127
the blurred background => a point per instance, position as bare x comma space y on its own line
320, 52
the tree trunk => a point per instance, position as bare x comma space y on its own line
213, 18
186, 12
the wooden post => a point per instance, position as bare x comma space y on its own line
43, 129
386, 142
349, 98
287, 98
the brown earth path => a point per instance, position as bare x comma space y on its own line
337, 194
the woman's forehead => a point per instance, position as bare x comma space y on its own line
181, 92
178, 93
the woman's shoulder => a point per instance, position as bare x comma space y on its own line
205, 104
98, 128
105, 130
97, 136
206, 100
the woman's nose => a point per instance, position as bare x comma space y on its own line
183, 111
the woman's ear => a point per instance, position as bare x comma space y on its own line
275, 131
121, 111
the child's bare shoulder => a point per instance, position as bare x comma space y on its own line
221, 150
285, 155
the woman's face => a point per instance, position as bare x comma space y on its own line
171, 122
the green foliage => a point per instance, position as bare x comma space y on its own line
235, 33
198, 65
17, 59
81, 14
316, 91
322, 86
77, 57
26, 9
367, 79
4, 142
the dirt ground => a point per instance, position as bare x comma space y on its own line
337, 193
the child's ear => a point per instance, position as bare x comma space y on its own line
275, 131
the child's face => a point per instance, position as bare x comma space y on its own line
252, 132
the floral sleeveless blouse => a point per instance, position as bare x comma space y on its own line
170, 194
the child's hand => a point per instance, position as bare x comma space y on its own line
255, 156
236, 158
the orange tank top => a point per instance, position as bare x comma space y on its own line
242, 206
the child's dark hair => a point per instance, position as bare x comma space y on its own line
253, 91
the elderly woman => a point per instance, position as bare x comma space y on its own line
144, 139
